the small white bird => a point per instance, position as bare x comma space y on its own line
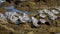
55, 11
42, 15
24, 18
35, 22
14, 13
8, 13
40, 11
2, 16
58, 9
46, 11
13, 18
42, 20
21, 19
51, 14
53, 17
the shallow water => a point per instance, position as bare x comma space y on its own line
11, 8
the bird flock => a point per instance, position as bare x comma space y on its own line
18, 18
